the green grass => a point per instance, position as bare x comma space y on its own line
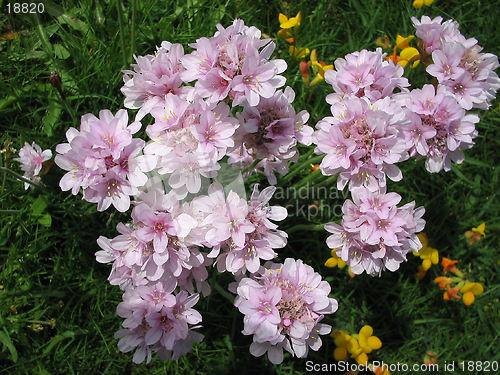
57, 311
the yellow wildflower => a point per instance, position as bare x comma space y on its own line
451, 293
428, 254
299, 52
381, 371
383, 43
288, 23
448, 265
319, 68
340, 354
443, 281
335, 261
480, 229
367, 341
286, 34
406, 55
420, 3
403, 42
470, 291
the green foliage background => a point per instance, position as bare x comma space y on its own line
57, 311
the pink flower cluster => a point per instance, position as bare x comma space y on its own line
363, 139
159, 252
234, 63
269, 133
440, 128
153, 77
241, 229
362, 142
31, 158
283, 306
375, 234
157, 320
458, 63
364, 74
104, 160
157, 245
189, 138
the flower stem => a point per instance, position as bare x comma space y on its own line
119, 9
223, 292
298, 167
306, 180
18, 176
132, 29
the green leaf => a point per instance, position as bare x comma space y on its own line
51, 117
57, 339
45, 220
61, 52
38, 206
7, 342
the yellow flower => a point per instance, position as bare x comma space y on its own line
381, 371
383, 43
335, 261
443, 281
288, 23
298, 53
428, 254
287, 35
362, 359
7, 36
451, 293
420, 3
406, 55
344, 340
470, 291
403, 42
340, 338
319, 68
480, 229
340, 354
367, 341
448, 265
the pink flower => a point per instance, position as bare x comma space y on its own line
375, 234
189, 140
430, 31
362, 142
111, 189
230, 222
446, 62
157, 321
440, 128
31, 159
364, 73
282, 306
234, 62
458, 63
153, 77
102, 158
256, 80
240, 233
170, 325
215, 130
269, 132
